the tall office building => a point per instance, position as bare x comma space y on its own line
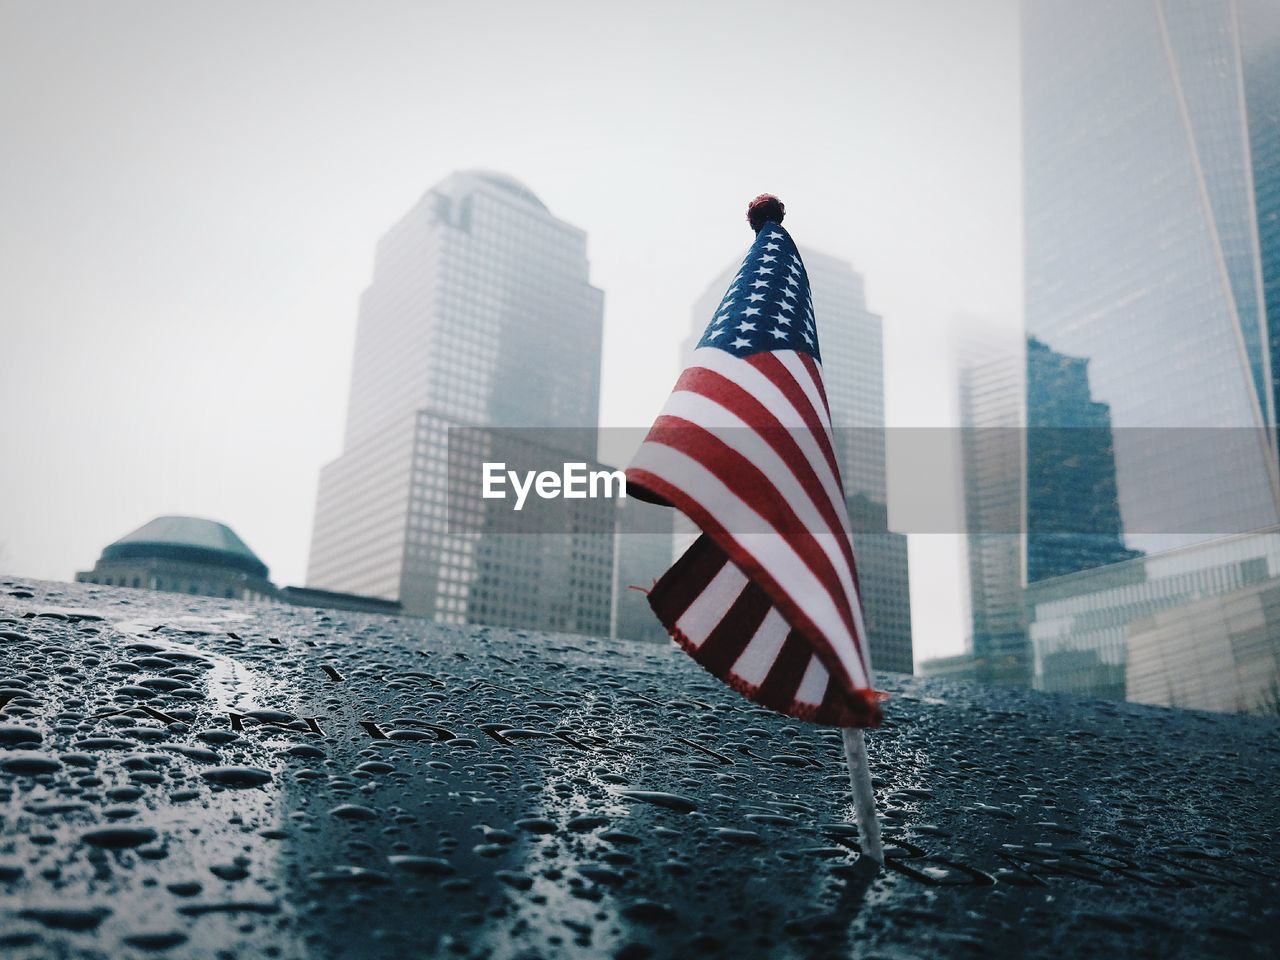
1143, 252
990, 381
1070, 470
642, 554
853, 373
480, 315
1152, 186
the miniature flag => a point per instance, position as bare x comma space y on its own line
767, 598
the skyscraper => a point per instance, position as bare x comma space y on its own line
480, 315
1143, 252
1071, 470
990, 380
1152, 187
853, 373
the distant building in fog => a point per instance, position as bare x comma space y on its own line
990, 378
205, 558
643, 554
183, 555
480, 315
852, 339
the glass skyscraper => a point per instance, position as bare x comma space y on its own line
480, 315
1070, 469
1152, 185
1142, 248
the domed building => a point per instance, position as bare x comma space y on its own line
184, 555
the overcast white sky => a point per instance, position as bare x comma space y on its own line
191, 194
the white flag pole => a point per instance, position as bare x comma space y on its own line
864, 800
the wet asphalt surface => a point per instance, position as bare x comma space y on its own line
187, 777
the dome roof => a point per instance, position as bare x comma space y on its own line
465, 180
190, 540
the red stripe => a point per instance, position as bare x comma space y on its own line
749, 565
831, 700
746, 480
812, 366
781, 377
686, 580
780, 685
733, 397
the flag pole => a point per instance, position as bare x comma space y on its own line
864, 800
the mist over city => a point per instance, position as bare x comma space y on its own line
195, 197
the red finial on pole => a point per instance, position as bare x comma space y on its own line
765, 208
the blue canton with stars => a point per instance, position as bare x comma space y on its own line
768, 305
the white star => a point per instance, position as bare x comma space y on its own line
755, 298
768, 258
772, 246
743, 327
724, 305
740, 343
751, 312
807, 339
791, 282
763, 270
787, 306
790, 294
718, 331
779, 333
783, 319
759, 283
775, 236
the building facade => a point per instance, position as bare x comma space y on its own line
642, 555
990, 378
1143, 254
479, 337
205, 558
1150, 202
1220, 654
1070, 496
183, 555
1083, 625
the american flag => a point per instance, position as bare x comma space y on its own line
767, 598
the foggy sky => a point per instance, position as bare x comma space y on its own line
192, 192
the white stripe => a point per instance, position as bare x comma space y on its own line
814, 685
771, 551
759, 655
735, 433
706, 612
775, 401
